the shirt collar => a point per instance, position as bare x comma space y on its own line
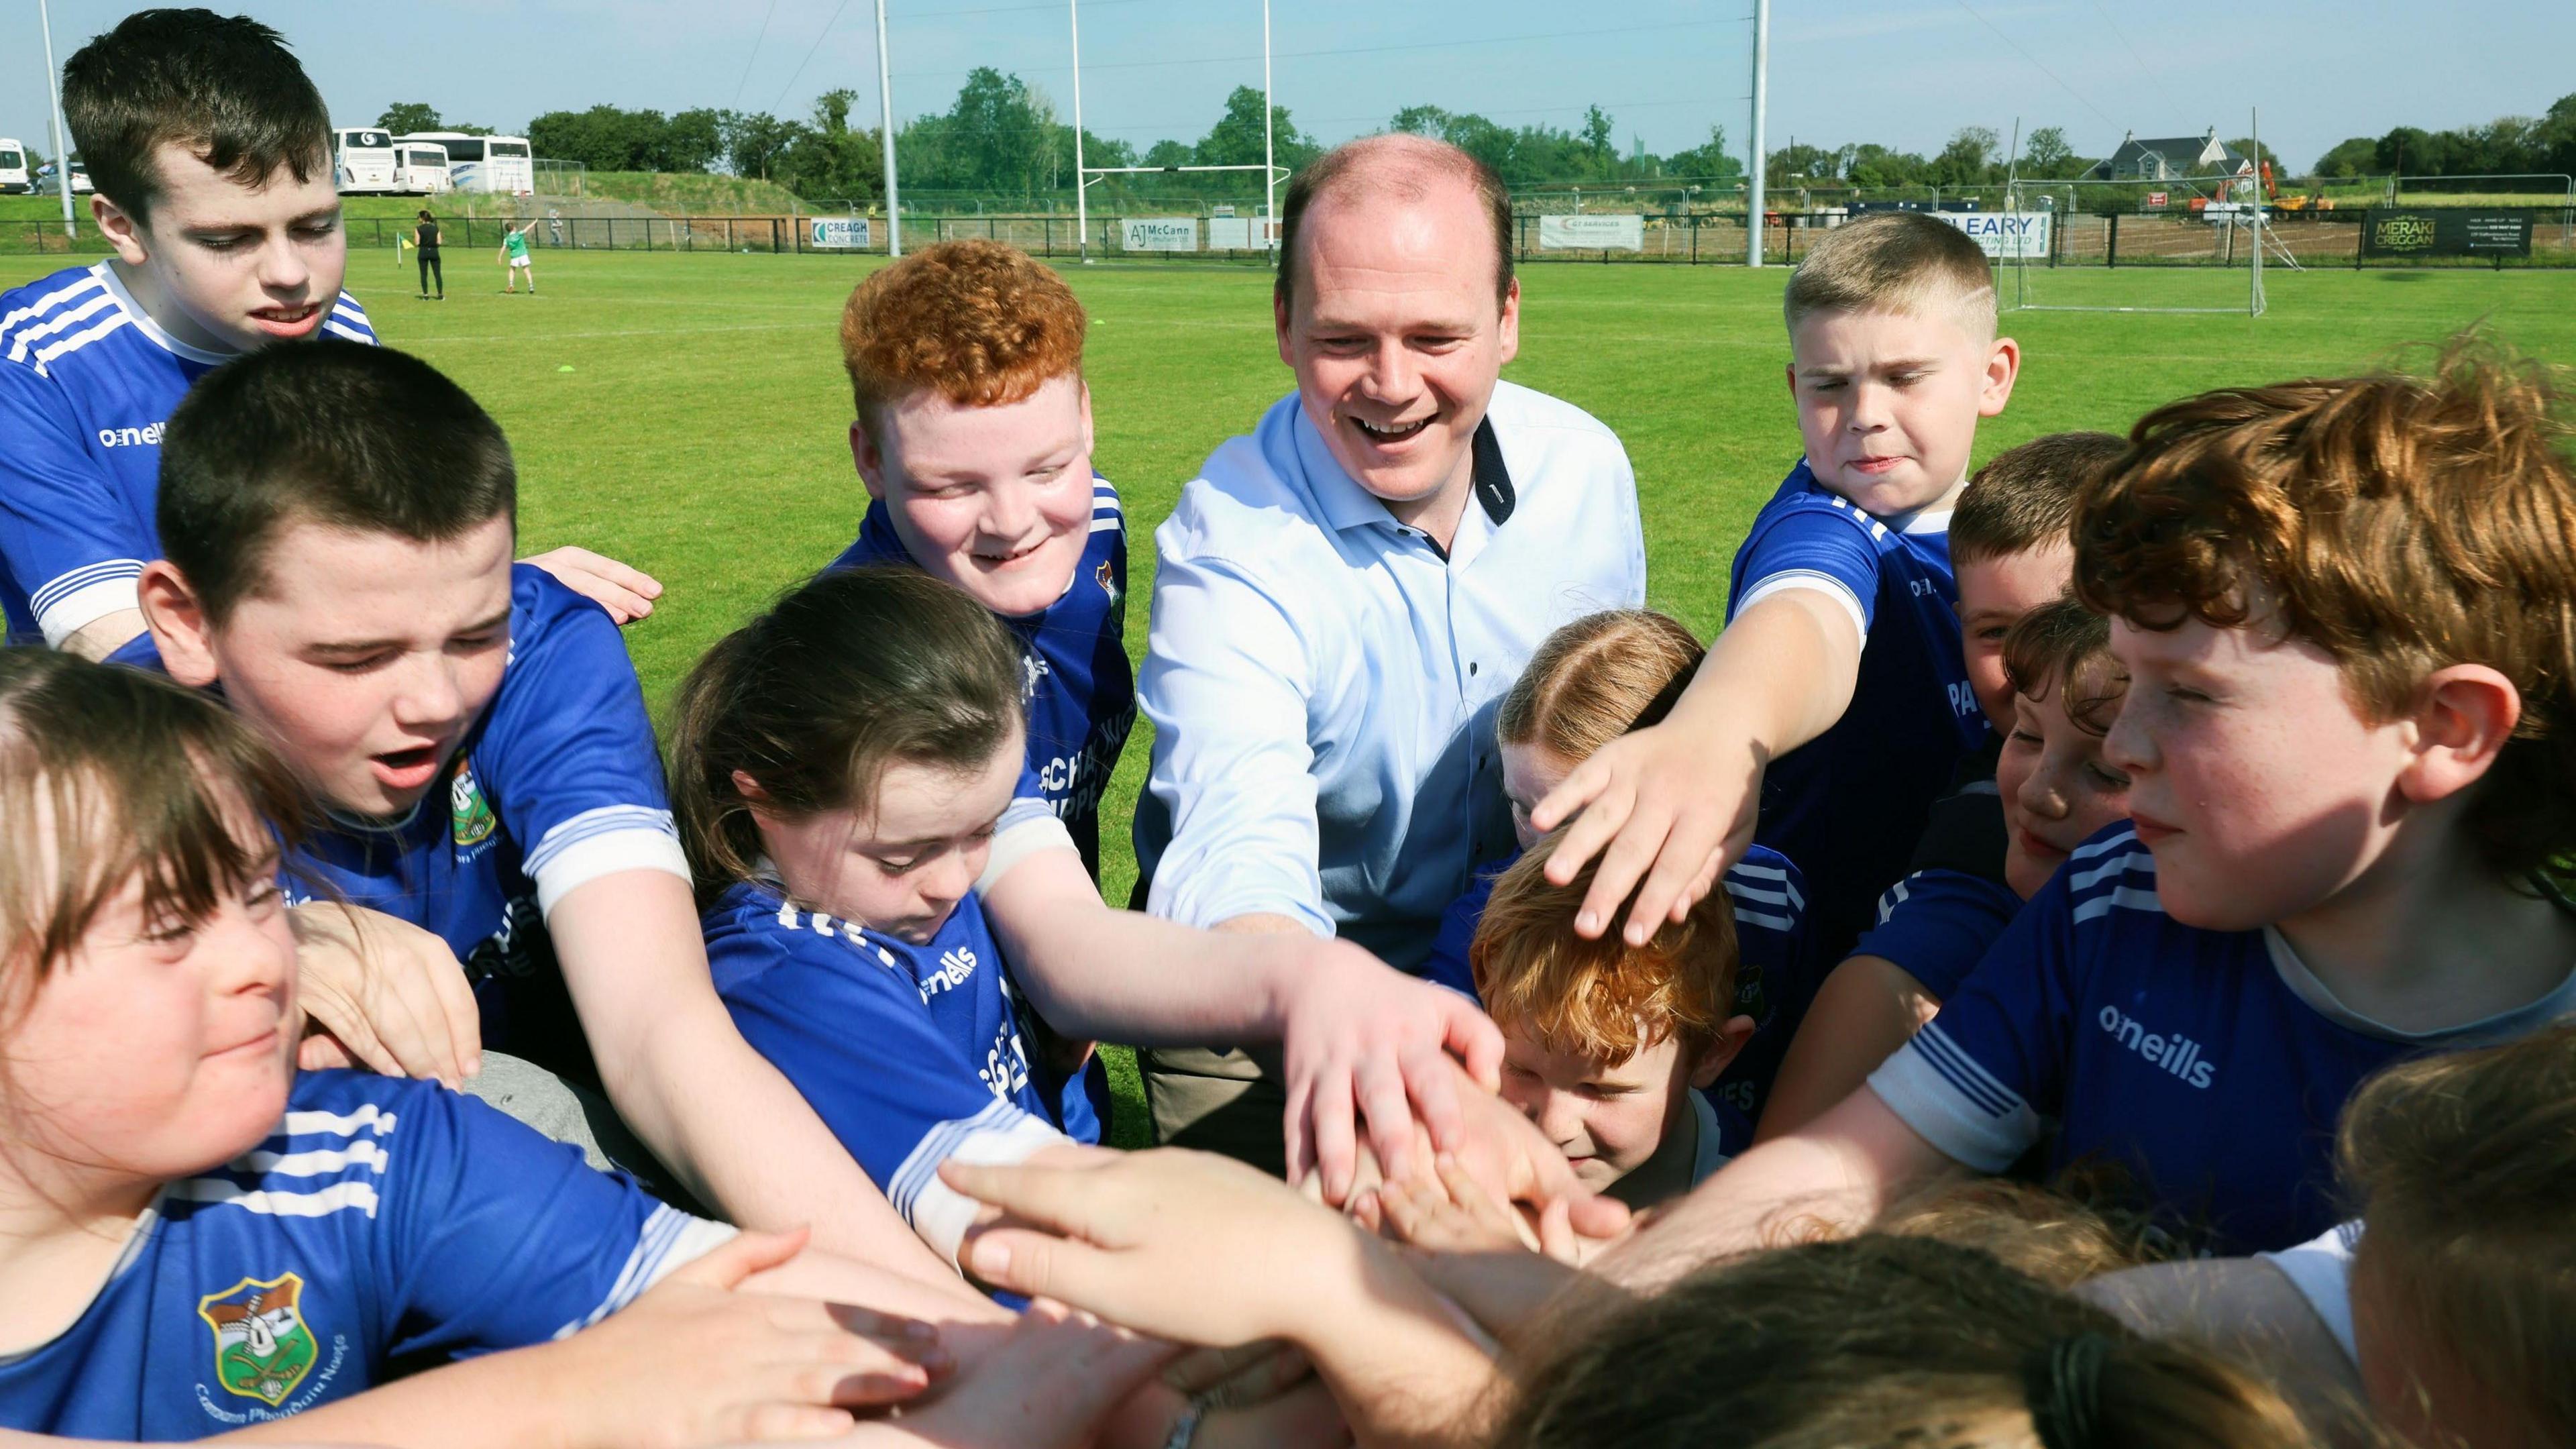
143, 322
1346, 505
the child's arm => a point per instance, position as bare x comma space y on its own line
1866, 1009
1830, 1178
690, 1362
1203, 1250
1674, 803
384, 996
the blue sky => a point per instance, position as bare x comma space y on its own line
1904, 73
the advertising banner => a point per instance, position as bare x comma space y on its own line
1592, 233
837, 233
2003, 234
1161, 234
2449, 232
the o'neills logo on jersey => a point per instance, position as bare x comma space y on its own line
147, 436
2179, 1055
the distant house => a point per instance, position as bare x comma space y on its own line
2171, 159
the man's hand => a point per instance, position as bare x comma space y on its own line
1364, 1041
383, 995
626, 593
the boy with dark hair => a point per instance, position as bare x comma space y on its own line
211, 150
341, 521
2012, 555
1836, 701
2344, 610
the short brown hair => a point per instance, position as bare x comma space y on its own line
2024, 498
978, 322
124, 773
1893, 261
1348, 168
2065, 646
224, 86
2462, 1168
1597, 678
2400, 523
1603, 1000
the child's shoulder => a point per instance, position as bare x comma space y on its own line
330, 1153
1767, 890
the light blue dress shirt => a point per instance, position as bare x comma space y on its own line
1323, 683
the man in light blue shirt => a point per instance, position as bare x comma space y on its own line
1344, 597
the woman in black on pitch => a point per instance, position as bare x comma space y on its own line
425, 241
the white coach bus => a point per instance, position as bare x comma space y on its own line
420, 168
498, 164
13, 166
362, 161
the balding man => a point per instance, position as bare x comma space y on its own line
1344, 596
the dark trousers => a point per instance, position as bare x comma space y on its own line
429, 268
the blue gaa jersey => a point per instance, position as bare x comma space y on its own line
1936, 925
1775, 975
383, 1219
86, 382
1079, 688
2209, 1066
1849, 804
558, 784
910, 1054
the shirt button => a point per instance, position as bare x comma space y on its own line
1471, 666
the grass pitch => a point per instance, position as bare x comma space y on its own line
689, 415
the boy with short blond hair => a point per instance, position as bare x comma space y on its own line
1610, 1048
1836, 706
2344, 610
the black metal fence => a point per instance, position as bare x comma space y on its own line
2327, 238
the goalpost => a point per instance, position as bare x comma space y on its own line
2229, 208
1085, 176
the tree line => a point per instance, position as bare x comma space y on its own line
1003, 138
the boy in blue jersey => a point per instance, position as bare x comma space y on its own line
1837, 700
973, 436
340, 522
2013, 556
211, 151
202, 1238
2343, 608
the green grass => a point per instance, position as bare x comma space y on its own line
701, 432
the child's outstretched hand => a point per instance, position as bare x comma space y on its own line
1047, 1386
1449, 1214
693, 1361
384, 996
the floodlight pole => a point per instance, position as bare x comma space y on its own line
1269, 165
54, 119
885, 114
1761, 80
1081, 178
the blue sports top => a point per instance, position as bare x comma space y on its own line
1775, 972
910, 1054
87, 379
558, 784
2210, 1066
1848, 805
1080, 690
383, 1219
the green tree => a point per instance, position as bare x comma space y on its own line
1710, 159
404, 117
2356, 157
2046, 155
2262, 154
1235, 139
1968, 159
1596, 135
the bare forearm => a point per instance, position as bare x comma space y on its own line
103, 636
1094, 971
1867, 1009
1779, 676
1403, 1363
501, 1400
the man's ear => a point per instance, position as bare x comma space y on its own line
869, 457
1511, 320
123, 230
2466, 713
1281, 321
180, 628
1714, 1057
2003, 365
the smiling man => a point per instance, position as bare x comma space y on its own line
212, 154
1344, 596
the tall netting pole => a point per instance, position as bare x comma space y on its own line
1081, 178
1761, 80
885, 114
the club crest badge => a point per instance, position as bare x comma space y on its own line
1107, 578
263, 1347
469, 814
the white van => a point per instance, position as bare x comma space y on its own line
13, 167
362, 161
501, 165
420, 168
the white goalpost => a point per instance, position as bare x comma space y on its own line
1086, 176
2230, 206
